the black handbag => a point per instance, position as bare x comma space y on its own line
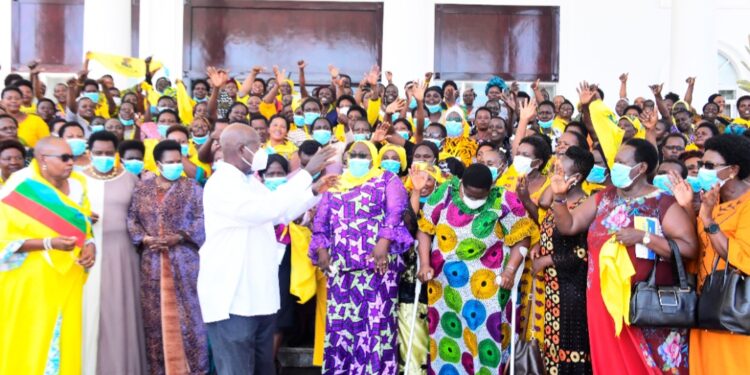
725, 301
665, 306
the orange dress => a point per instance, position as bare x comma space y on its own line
714, 352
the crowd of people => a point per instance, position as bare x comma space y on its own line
157, 230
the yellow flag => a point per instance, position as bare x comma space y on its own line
123, 65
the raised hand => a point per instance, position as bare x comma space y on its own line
418, 178
558, 184
709, 199
527, 110
320, 160
515, 87
301, 64
648, 119
681, 189
656, 89
418, 90
257, 69
279, 74
217, 77
624, 77
428, 77
380, 132
373, 75
586, 93
334, 71
509, 98
690, 81
389, 77
397, 106
326, 183
535, 85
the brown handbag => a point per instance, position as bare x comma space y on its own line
528, 355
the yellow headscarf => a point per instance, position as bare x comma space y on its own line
460, 112
615, 271
348, 181
398, 150
640, 131
687, 106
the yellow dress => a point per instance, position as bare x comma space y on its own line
41, 292
32, 129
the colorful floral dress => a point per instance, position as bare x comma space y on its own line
566, 335
468, 315
361, 329
636, 350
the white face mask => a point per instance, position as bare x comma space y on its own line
522, 164
472, 203
260, 159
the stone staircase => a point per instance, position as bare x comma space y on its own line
297, 361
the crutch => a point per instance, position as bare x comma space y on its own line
513, 297
417, 290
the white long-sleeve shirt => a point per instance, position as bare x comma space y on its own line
239, 260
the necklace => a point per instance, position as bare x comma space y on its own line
99, 176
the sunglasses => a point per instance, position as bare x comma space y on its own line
709, 165
63, 157
358, 155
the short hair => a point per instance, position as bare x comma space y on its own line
265, 85
542, 149
477, 176
346, 97
546, 102
691, 154
581, 139
645, 152
714, 130
200, 81
323, 118
102, 136
309, 147
679, 163
177, 128
9, 89
69, 124
580, 126
708, 104
455, 166
170, 111
742, 99
311, 99
601, 92
131, 145
676, 135
681, 110
11, 78
733, 149
433, 148
258, 116
24, 82
275, 158
522, 95
437, 89
449, 83
91, 82
164, 146
634, 107
440, 126
583, 159
358, 109
482, 109
45, 100
713, 97
673, 97
5, 115
274, 117
12, 143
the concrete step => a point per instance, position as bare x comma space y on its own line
297, 361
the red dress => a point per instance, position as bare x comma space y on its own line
636, 350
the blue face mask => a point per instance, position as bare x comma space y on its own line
413, 103
545, 124
454, 128
597, 175
162, 129
171, 171
161, 109
435, 108
359, 167
103, 164
310, 117
395, 117
391, 165
315, 176
127, 122
77, 146
621, 175
404, 134
185, 149
494, 172
299, 120
94, 96
437, 142
200, 140
198, 100
361, 137
322, 136
272, 183
694, 182
708, 178
96, 128
735, 129
133, 166
662, 182
423, 199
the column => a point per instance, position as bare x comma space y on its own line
6, 37
107, 29
161, 34
693, 48
408, 39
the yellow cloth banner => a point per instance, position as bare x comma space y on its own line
303, 281
615, 271
123, 65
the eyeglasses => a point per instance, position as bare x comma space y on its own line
709, 165
674, 148
358, 155
63, 157
9, 129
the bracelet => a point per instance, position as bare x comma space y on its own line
560, 201
47, 243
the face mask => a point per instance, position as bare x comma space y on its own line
545, 124
162, 129
161, 109
94, 96
133, 166
522, 164
197, 100
96, 128
171, 171
117, 100
454, 128
299, 120
260, 159
103, 164
344, 111
695, 183
359, 167
495, 171
437, 142
404, 134
423, 199
434, 108
315, 176
77, 146
322, 136
272, 183
708, 178
662, 182
621, 175
127, 122
395, 117
310, 117
185, 149
200, 140
597, 175
361, 137
735, 129
473, 203
391, 165
413, 103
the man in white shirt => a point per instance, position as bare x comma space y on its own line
238, 284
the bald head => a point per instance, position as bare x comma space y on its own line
52, 146
237, 135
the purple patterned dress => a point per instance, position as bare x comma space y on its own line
175, 334
361, 329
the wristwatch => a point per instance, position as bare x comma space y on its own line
712, 228
646, 238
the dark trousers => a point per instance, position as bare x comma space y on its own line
243, 345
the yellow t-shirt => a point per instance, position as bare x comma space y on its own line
30, 109
267, 109
32, 129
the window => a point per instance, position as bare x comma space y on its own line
727, 84
50, 30
473, 42
237, 35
